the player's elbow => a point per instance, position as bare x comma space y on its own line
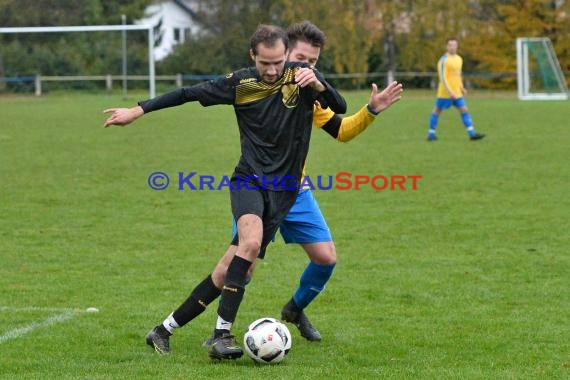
344, 138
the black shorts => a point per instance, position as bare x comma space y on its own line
271, 206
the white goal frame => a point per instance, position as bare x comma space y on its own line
99, 28
523, 72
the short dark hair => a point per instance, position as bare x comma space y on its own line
268, 35
307, 32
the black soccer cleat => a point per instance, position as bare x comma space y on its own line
476, 136
292, 314
224, 347
158, 338
208, 342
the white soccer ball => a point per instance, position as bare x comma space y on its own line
267, 341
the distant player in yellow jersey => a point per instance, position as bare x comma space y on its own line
450, 91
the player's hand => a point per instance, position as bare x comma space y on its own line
451, 94
122, 116
305, 76
463, 90
379, 101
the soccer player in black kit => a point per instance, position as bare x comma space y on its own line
273, 103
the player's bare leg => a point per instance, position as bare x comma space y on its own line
219, 273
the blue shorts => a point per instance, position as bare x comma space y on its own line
445, 103
304, 223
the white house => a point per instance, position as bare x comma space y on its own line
173, 22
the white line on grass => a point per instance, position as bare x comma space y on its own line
16, 333
65, 315
38, 308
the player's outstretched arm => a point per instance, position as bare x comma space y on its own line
347, 128
218, 91
122, 116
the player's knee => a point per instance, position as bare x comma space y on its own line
325, 255
249, 248
330, 257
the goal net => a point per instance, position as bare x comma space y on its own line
538, 71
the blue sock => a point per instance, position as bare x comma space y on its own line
433, 123
312, 282
468, 123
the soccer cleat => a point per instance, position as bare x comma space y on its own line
432, 137
476, 136
208, 342
158, 338
299, 319
224, 347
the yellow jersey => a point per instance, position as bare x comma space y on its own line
449, 72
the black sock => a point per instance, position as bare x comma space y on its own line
196, 303
233, 289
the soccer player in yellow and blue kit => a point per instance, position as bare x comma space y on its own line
450, 91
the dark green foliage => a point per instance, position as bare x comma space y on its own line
80, 53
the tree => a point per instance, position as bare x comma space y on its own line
68, 12
496, 25
68, 53
346, 24
222, 46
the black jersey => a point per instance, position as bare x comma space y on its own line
274, 119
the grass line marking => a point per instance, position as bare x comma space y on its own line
65, 314
39, 308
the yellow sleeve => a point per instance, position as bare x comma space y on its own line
352, 126
444, 89
321, 116
342, 129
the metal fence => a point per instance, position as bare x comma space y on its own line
354, 80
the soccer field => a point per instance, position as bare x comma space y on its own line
464, 278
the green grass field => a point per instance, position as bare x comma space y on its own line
464, 278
